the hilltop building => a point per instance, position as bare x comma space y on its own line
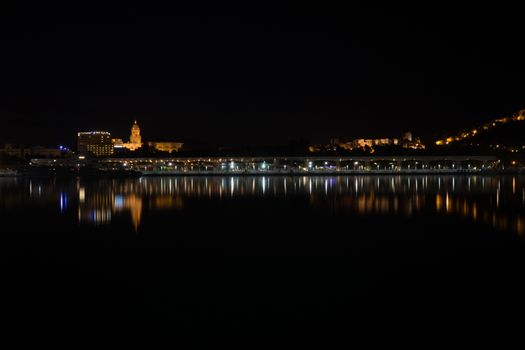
407, 141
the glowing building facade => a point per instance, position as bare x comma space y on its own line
95, 143
407, 141
168, 147
135, 142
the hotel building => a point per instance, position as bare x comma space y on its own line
95, 143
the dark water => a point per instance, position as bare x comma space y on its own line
242, 261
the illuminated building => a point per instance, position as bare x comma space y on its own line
407, 141
135, 140
118, 143
96, 143
370, 143
415, 144
365, 143
166, 146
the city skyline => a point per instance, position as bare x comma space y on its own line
220, 173
236, 77
467, 134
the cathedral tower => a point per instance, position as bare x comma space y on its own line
135, 135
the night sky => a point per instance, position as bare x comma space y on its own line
234, 75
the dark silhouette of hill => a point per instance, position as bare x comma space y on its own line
511, 134
508, 132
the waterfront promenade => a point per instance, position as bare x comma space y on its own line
306, 165
284, 165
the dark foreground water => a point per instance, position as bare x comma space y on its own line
264, 261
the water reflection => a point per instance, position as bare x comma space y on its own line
498, 201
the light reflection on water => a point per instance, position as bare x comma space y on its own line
498, 201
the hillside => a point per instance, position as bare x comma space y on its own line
504, 133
